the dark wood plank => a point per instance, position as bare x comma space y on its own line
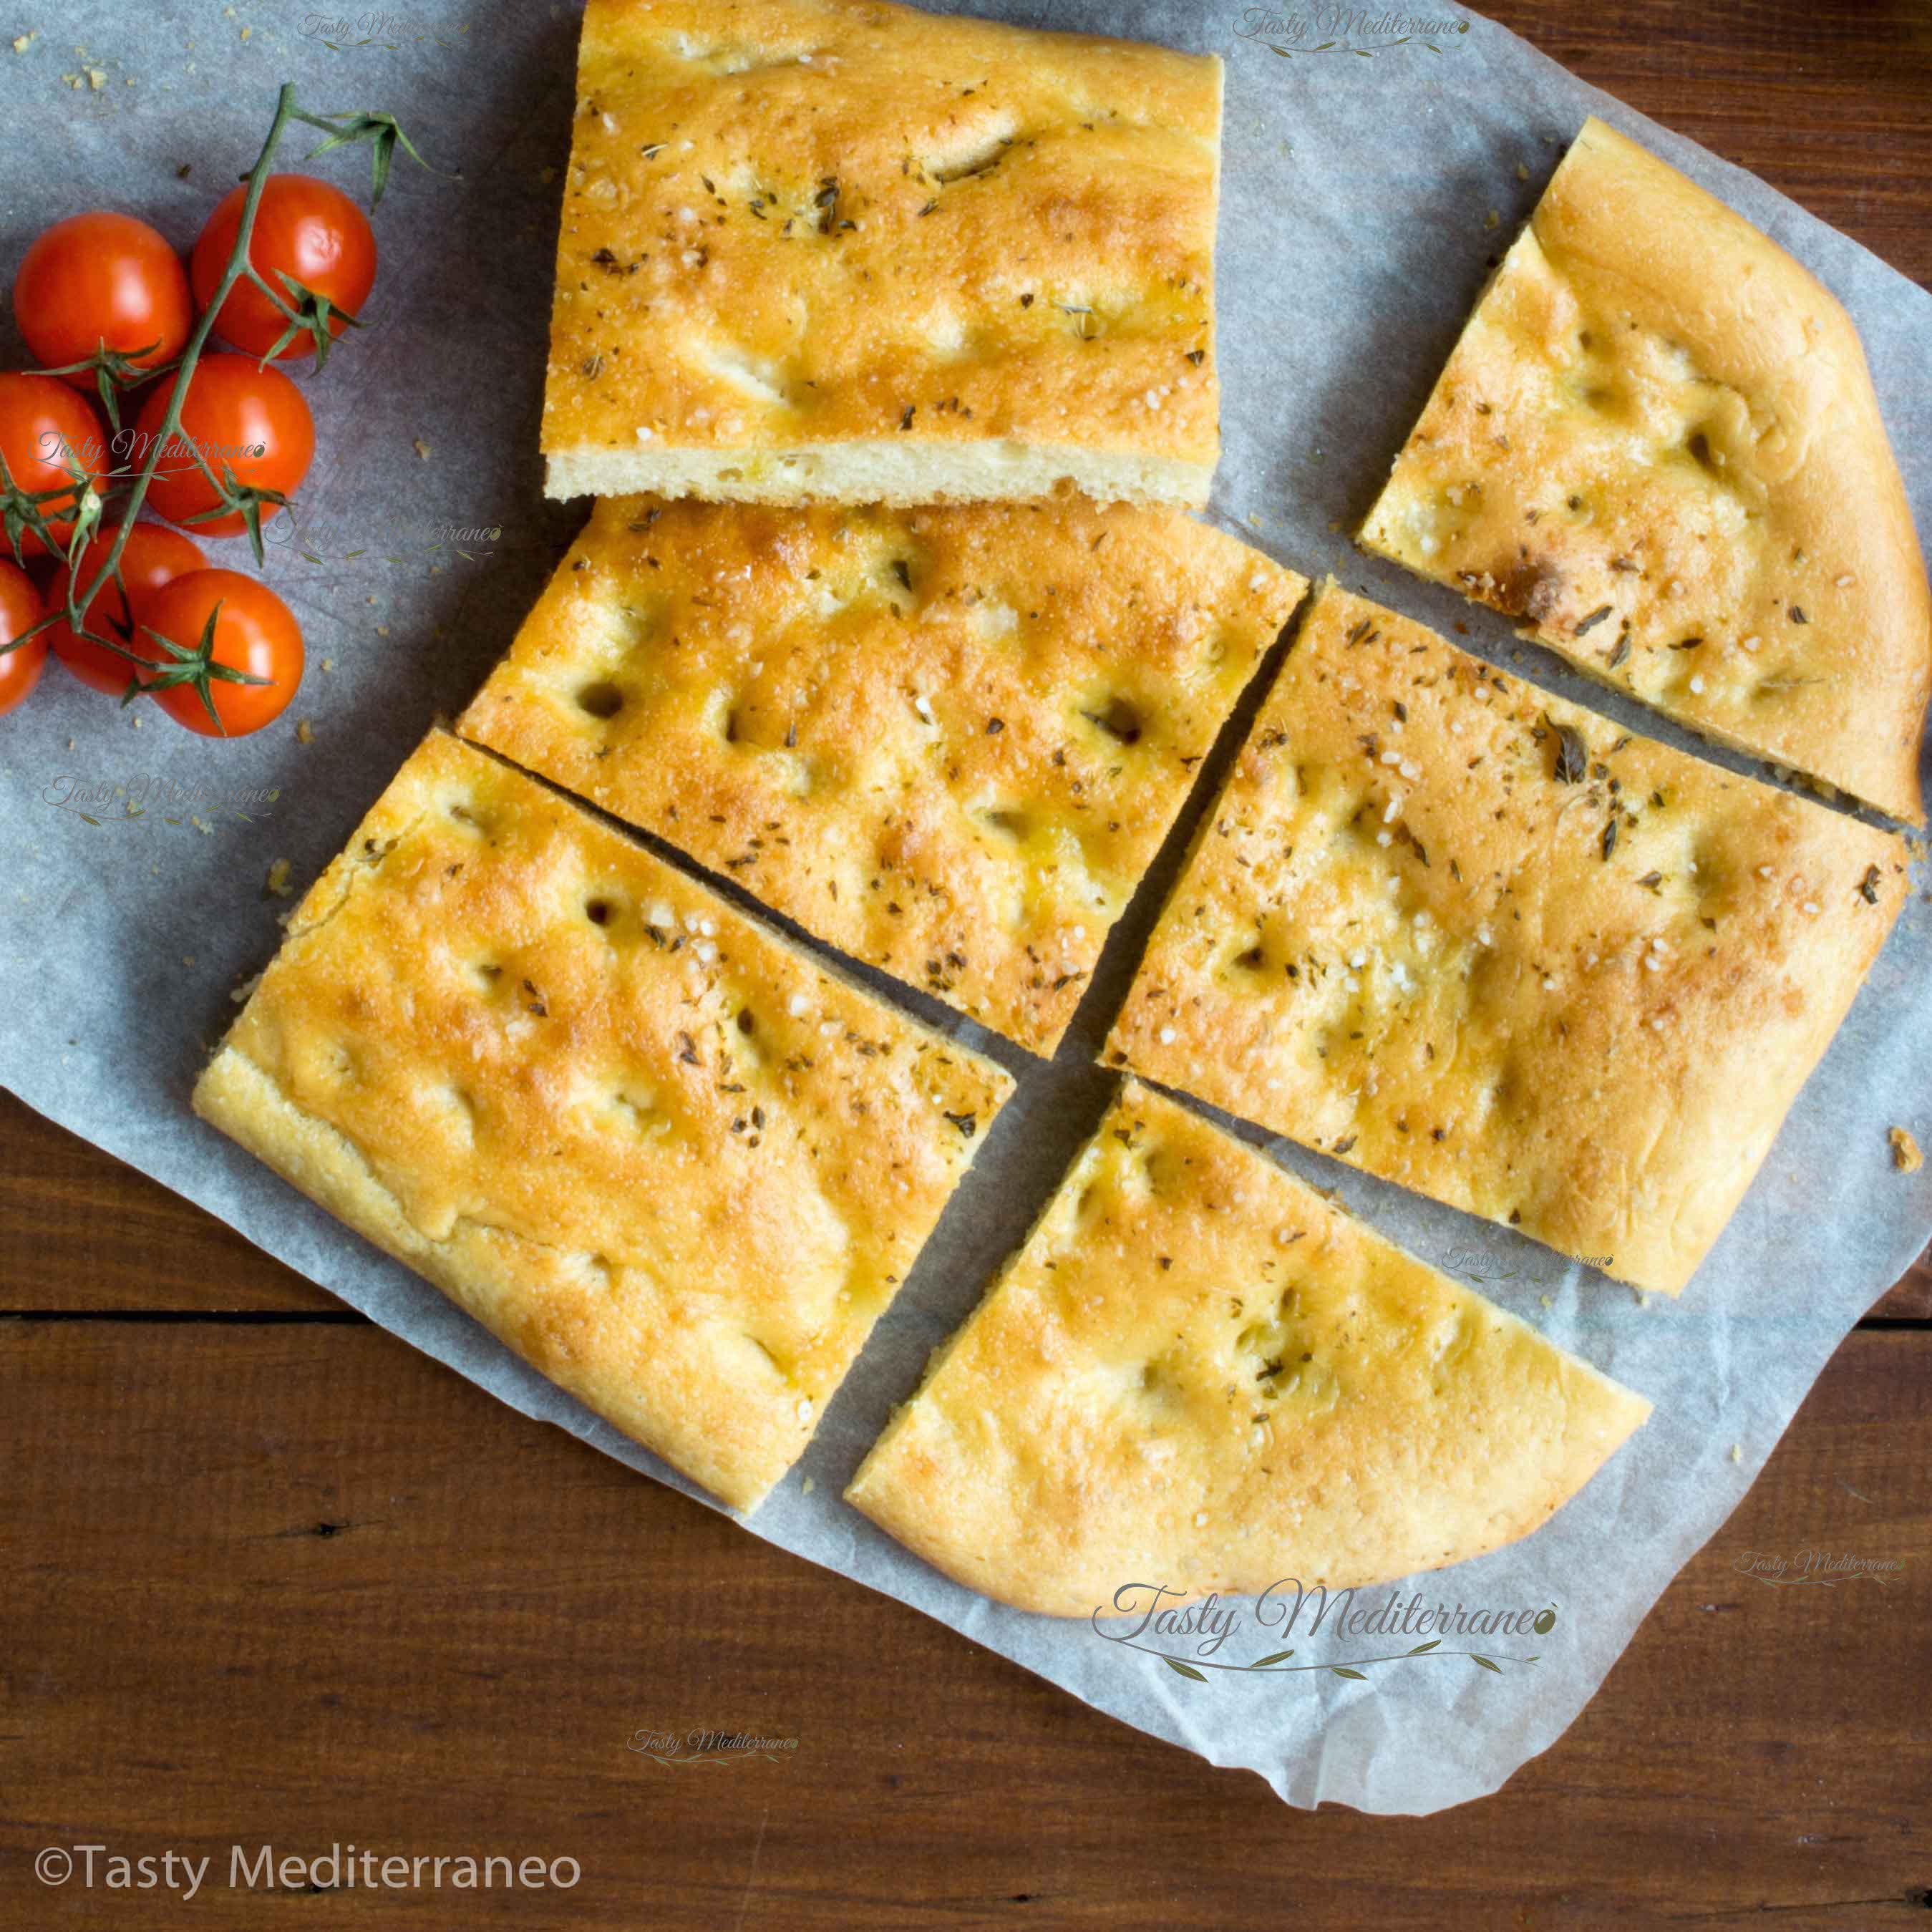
299, 1586
1825, 99
80, 1230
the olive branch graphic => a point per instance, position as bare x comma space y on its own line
1276, 1664
718, 1757
1363, 53
1824, 1582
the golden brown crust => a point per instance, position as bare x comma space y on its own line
948, 740
662, 1155
1479, 942
1199, 1373
1657, 445
810, 245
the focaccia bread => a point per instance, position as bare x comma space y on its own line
658, 1151
840, 249
1657, 445
1199, 1373
1482, 943
949, 740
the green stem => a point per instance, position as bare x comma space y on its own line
257, 178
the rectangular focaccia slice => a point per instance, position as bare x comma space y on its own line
1657, 445
1484, 944
658, 1151
839, 249
949, 740
1200, 1374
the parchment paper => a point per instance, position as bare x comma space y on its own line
1355, 230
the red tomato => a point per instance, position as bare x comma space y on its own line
247, 419
19, 610
255, 632
46, 429
102, 281
304, 229
155, 555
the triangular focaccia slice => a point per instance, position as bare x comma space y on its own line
666, 1157
948, 740
1200, 1373
840, 249
1482, 943
1657, 445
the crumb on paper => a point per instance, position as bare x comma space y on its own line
1737, 1452
22, 42
97, 79
807, 1486
1522, 171
242, 993
1493, 220
277, 880
1548, 1300
246, 33
304, 731
187, 959
1905, 1154
382, 630
328, 663
422, 448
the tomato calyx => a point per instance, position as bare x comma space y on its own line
383, 133
195, 665
309, 313
113, 369
244, 500
22, 513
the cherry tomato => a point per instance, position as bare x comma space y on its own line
304, 229
19, 610
155, 555
255, 632
242, 417
102, 281
46, 431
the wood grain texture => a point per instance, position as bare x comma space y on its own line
79, 1229
299, 1584
1825, 99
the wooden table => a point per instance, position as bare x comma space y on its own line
272, 1577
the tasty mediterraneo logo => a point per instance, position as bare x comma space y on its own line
1188, 1637
1360, 31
